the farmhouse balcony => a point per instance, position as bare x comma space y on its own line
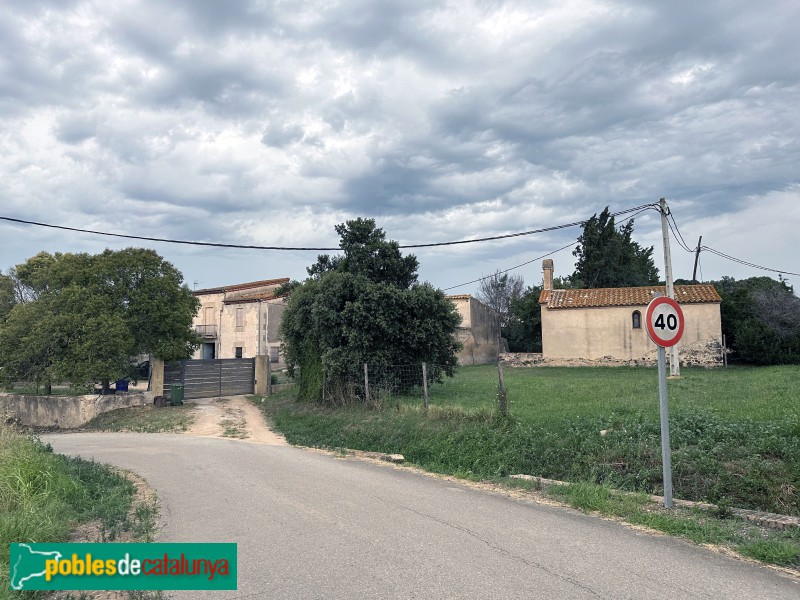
207, 331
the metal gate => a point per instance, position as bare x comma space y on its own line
211, 378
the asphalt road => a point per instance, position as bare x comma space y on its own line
310, 525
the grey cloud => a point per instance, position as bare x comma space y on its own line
693, 101
278, 135
75, 129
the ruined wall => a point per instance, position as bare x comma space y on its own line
64, 412
479, 332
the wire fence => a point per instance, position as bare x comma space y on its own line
424, 383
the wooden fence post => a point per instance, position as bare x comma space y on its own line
425, 383
724, 353
366, 383
501, 394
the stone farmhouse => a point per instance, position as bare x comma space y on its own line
242, 321
605, 323
479, 332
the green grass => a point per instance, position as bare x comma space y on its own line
699, 526
145, 419
544, 393
735, 432
44, 496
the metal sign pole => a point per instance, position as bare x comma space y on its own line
666, 457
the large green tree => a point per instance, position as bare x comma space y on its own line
364, 306
83, 317
7, 299
608, 256
760, 320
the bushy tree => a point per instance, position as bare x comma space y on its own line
82, 317
760, 320
7, 299
364, 306
523, 331
498, 291
608, 257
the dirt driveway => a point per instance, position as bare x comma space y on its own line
232, 417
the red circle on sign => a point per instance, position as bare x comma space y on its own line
651, 330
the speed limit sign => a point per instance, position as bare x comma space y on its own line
664, 319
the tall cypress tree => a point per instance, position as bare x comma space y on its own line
608, 257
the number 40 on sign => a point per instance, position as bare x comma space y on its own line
664, 319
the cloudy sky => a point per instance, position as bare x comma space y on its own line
267, 123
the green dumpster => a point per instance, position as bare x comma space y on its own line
176, 394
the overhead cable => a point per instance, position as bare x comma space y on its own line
301, 248
533, 260
744, 262
643, 209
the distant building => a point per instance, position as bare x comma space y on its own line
609, 322
230, 319
479, 331
240, 321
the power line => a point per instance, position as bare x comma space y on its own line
452, 287
644, 208
676, 233
749, 264
682, 242
290, 248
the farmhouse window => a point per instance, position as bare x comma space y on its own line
637, 319
239, 316
238, 352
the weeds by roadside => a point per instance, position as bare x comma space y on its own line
45, 497
145, 419
234, 425
697, 525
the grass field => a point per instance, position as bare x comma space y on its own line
735, 432
145, 419
540, 394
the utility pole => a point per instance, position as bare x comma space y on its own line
696, 259
674, 359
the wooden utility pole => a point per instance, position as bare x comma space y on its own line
674, 359
696, 260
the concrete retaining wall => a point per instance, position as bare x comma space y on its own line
65, 412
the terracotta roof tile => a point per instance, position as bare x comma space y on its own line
247, 298
242, 286
632, 296
459, 296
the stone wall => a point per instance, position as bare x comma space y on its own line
698, 354
479, 332
64, 412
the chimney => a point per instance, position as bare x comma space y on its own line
547, 267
